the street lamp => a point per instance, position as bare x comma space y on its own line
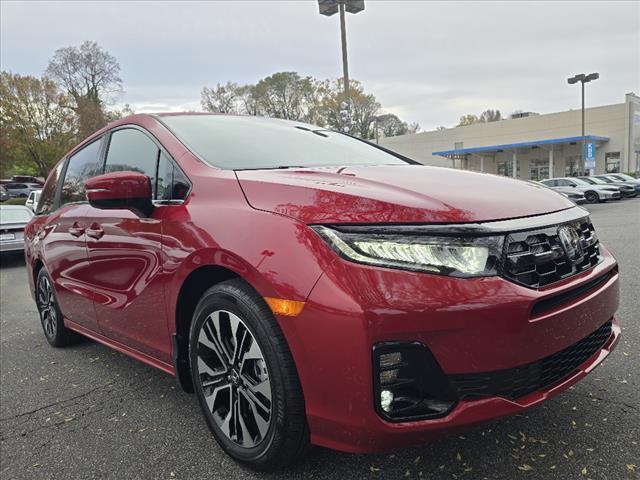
331, 7
582, 78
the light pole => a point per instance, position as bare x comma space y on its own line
583, 78
331, 7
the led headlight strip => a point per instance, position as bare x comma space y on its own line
463, 257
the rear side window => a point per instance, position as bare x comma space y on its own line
45, 205
82, 166
132, 150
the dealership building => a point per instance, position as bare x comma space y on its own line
534, 147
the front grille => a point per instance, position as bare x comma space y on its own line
536, 258
517, 382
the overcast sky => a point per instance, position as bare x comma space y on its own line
428, 62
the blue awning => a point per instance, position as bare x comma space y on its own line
512, 146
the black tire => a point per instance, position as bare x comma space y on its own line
50, 315
286, 438
592, 197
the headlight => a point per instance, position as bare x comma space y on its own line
445, 255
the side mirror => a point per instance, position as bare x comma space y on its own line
121, 190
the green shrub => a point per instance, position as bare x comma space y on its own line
15, 201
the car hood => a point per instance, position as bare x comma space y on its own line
395, 194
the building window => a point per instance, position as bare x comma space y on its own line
458, 145
612, 162
572, 165
506, 168
538, 169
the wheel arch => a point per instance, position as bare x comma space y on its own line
193, 287
594, 192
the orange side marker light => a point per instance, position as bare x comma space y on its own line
280, 306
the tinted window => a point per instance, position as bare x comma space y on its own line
132, 150
82, 166
45, 205
563, 183
249, 142
549, 183
172, 184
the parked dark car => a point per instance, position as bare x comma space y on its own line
13, 220
625, 177
620, 181
311, 287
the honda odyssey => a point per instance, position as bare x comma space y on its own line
312, 288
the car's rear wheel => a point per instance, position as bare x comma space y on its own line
50, 315
245, 378
592, 197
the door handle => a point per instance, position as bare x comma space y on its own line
95, 231
76, 230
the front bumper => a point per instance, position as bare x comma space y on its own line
607, 195
470, 326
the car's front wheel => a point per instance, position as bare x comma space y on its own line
245, 378
592, 197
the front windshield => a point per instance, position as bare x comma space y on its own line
605, 179
241, 143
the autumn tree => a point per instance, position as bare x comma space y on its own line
361, 109
37, 123
468, 119
291, 96
91, 76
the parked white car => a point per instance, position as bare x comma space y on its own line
32, 200
13, 219
592, 193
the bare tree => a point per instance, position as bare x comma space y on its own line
490, 116
91, 76
220, 99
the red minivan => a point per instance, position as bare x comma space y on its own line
313, 288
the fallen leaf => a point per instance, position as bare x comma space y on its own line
525, 467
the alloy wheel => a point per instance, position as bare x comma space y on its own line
234, 379
47, 307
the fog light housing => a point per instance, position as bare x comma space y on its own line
409, 384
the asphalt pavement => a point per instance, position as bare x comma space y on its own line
87, 412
